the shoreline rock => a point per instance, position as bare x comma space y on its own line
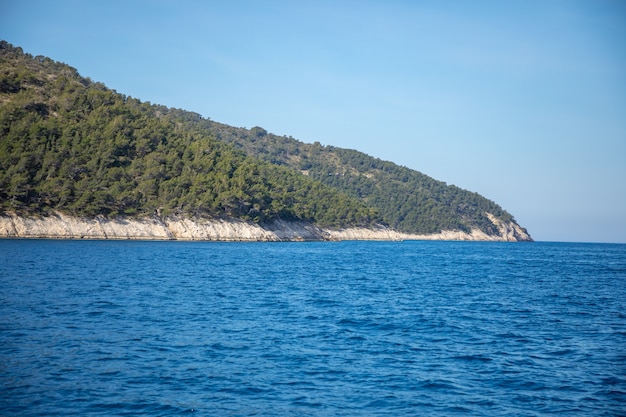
61, 226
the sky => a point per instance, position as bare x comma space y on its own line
521, 101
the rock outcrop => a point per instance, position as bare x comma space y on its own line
61, 226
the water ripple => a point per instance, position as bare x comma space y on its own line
325, 329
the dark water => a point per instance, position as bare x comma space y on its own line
322, 329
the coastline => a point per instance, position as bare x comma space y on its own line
61, 226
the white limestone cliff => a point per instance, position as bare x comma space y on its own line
61, 226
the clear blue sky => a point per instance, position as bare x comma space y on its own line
521, 101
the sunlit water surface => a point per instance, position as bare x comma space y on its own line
323, 329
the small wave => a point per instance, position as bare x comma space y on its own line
563, 352
473, 358
439, 384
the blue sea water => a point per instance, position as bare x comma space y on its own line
312, 329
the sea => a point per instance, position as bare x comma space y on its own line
128, 328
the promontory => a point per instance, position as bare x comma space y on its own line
80, 160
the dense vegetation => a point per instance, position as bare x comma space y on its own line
408, 200
70, 144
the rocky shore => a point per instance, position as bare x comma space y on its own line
61, 226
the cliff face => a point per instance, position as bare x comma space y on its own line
60, 226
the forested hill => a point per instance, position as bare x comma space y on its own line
72, 145
407, 200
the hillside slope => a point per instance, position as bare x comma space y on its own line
407, 200
70, 145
